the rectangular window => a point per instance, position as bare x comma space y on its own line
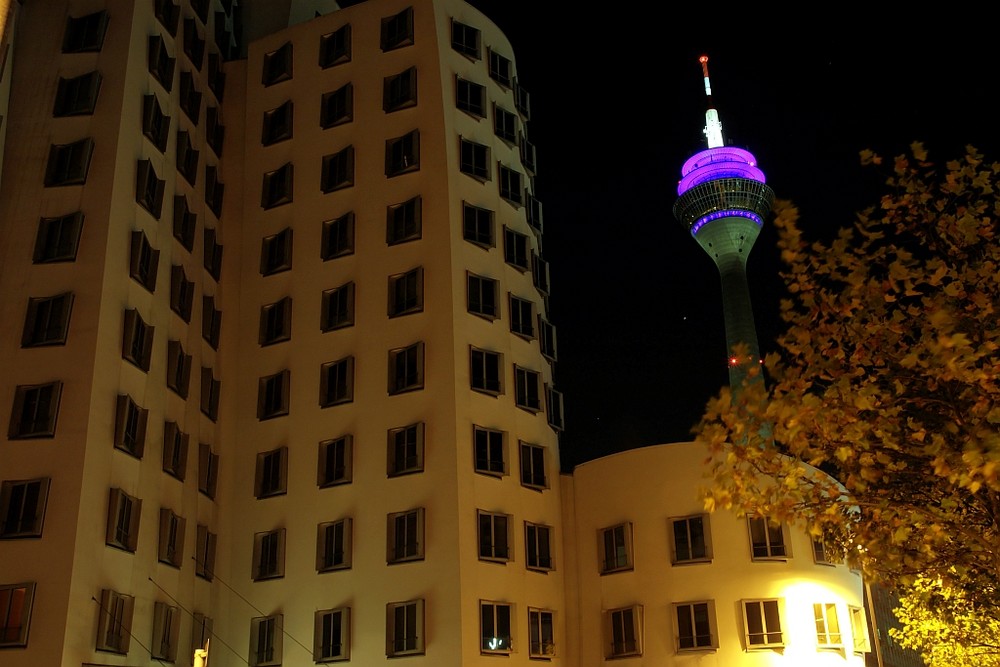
402, 154
166, 631
272, 395
155, 125
859, 629
540, 273
403, 221
269, 555
276, 252
533, 211
34, 412
762, 624
489, 447
527, 389
271, 478
335, 461
528, 155
397, 30
276, 186
85, 34
337, 107
477, 225
547, 338
470, 97
533, 466
144, 261
482, 296
194, 46
77, 96
175, 450
212, 261
541, 638
515, 249
332, 635
338, 237
474, 160
615, 545
405, 539
123, 520
335, 47
148, 188
159, 62
554, 408
767, 539
58, 238
406, 368
522, 101
275, 322
538, 546
215, 132
695, 630
266, 635
216, 77
399, 91
505, 124
494, 536
496, 626
15, 613
167, 13
277, 124
404, 628
623, 632
405, 449
336, 382
187, 158
137, 340
522, 316
338, 170
337, 308
211, 322
500, 69
333, 545
691, 539
181, 293
210, 388
465, 39
69, 163
201, 632
510, 185
190, 101
204, 564
47, 320
114, 622
130, 426
208, 470
277, 65
823, 554
827, 625
485, 371
22, 509
406, 292
214, 192
170, 549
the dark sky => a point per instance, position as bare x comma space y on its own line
618, 105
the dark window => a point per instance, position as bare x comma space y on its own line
623, 632
515, 249
406, 449
489, 447
216, 77
276, 322
338, 237
406, 292
338, 170
214, 190
200, 8
486, 374
470, 97
187, 158
276, 186
167, 13
337, 107
537, 546
161, 65
69, 163
276, 252
482, 296
690, 539
277, 124
554, 408
170, 549
85, 33
272, 395
336, 382
335, 47
181, 293
477, 225
22, 510
204, 560
400, 90
475, 160
210, 388
47, 320
185, 222
547, 338
114, 625
406, 368
35, 410
137, 340
510, 185
500, 69
767, 539
527, 392
211, 322
533, 211
522, 317
397, 30
494, 536
175, 450
541, 638
58, 238
215, 133
495, 625
178, 368
404, 631
405, 540
695, 623
337, 307
272, 473
540, 273
277, 65
155, 126
465, 39
194, 46
124, 512
77, 96
522, 101
144, 261
148, 188
190, 97
130, 426
212, 260
403, 221
266, 640
528, 154
616, 548
268, 563
533, 466
333, 548
504, 124
208, 479
335, 461
762, 623
402, 154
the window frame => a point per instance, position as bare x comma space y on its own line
486, 371
474, 159
617, 553
47, 319
124, 516
271, 473
277, 124
401, 301
768, 541
337, 107
331, 474
130, 426
828, 632
341, 533
137, 340
144, 261
175, 450
78, 95
482, 296
516, 249
166, 631
205, 551
537, 557
397, 30
489, 451
490, 527
277, 65
277, 186
337, 307
406, 369
460, 39
623, 630
159, 64
268, 560
402, 154
335, 47
695, 627
69, 164
511, 184
208, 469
500, 69
525, 397
149, 188
505, 125
399, 91
181, 293
470, 97
338, 170
338, 237
276, 252
404, 221
497, 621
407, 644
114, 625
170, 546
405, 449
478, 226
343, 388
541, 633
761, 617
16, 601
212, 260
337, 631
536, 455
22, 508
523, 313
85, 34
41, 398
859, 629
266, 641
275, 322
58, 238
690, 550
398, 525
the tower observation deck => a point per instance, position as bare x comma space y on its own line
722, 199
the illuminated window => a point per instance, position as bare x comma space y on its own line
859, 629
495, 622
827, 625
623, 632
695, 628
762, 623
15, 613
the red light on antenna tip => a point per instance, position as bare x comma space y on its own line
703, 59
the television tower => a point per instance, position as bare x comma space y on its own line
722, 199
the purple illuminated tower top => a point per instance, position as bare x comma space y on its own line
722, 199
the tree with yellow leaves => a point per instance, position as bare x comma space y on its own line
887, 380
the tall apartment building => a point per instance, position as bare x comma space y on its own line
278, 368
